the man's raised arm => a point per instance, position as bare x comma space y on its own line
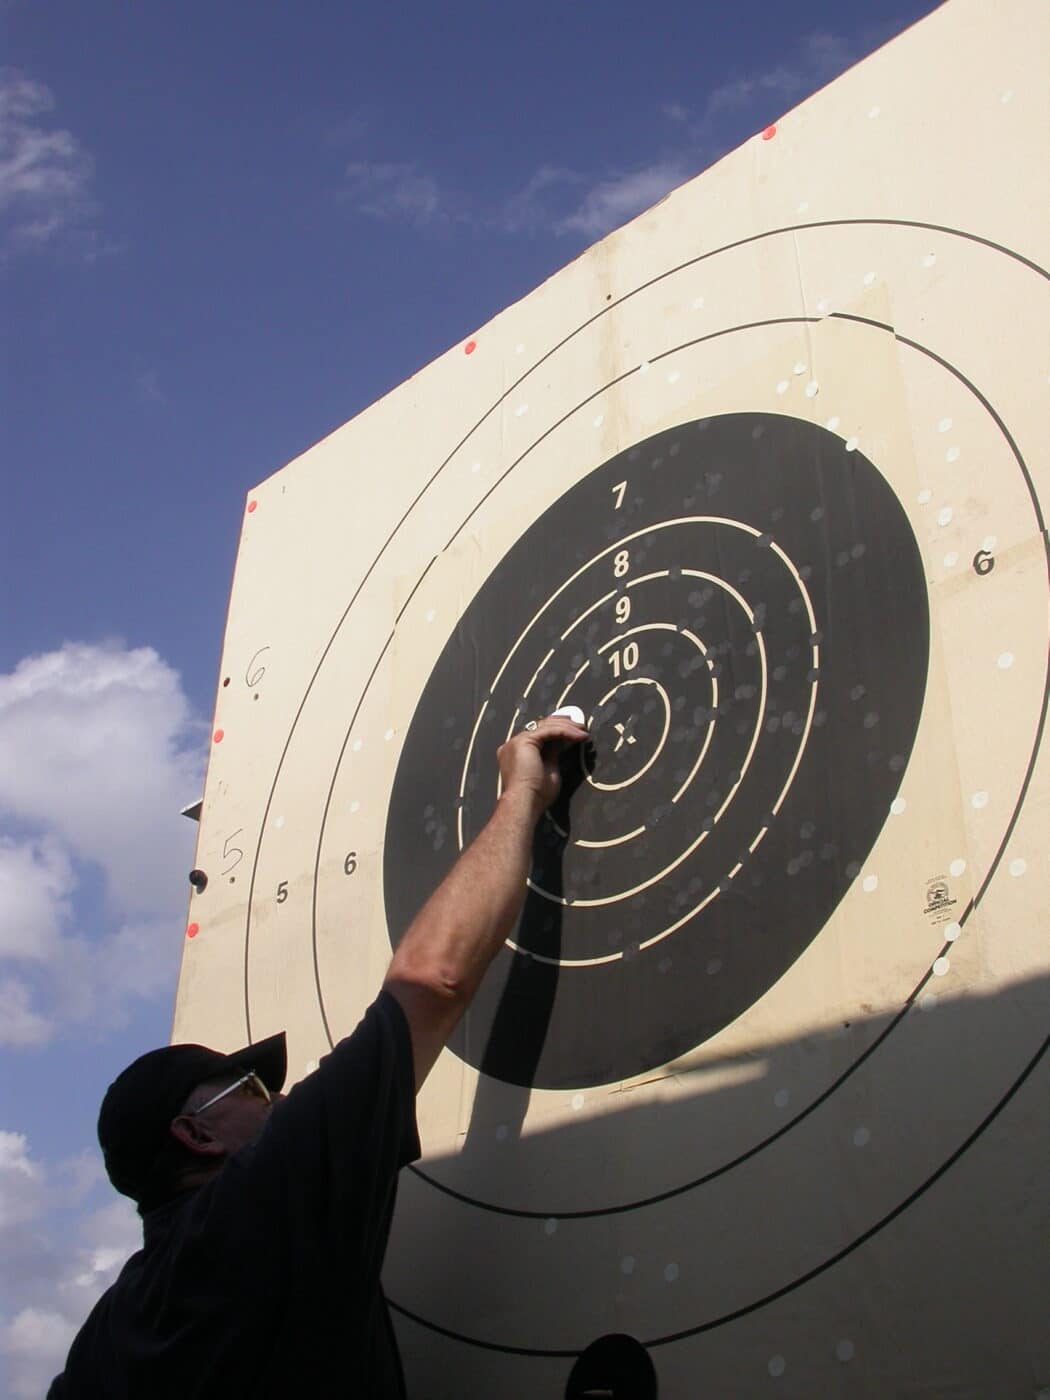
442, 958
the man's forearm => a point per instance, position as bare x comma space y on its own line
463, 924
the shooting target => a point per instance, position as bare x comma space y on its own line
769, 509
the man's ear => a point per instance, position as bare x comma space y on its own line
196, 1136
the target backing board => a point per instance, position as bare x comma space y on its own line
759, 482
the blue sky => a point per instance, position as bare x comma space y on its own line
224, 230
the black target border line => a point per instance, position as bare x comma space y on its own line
910, 1000
640, 1204
612, 305
964, 1146
777, 1293
652, 281
972, 905
752, 1151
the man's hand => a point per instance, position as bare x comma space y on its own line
528, 763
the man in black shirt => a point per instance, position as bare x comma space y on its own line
265, 1216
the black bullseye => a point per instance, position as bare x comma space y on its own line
687, 596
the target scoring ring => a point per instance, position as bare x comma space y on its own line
1035, 503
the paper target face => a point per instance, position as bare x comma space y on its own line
767, 504
787, 614
737, 605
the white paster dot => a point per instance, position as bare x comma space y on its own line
940, 967
929, 260
951, 559
989, 542
599, 420
355, 806
431, 615
1007, 96
951, 932
627, 1264
803, 206
869, 279
871, 883
873, 112
782, 1097
944, 425
311, 1065
822, 305
957, 867
844, 1350
924, 497
953, 454
674, 376
388, 735
550, 1225
1018, 866
800, 367
851, 444
577, 1102
1006, 660
812, 389
777, 1366
671, 1272
278, 822
782, 387
897, 806
944, 515
643, 368
357, 745
861, 1137
832, 423
475, 467
927, 1001
521, 410
979, 800
698, 303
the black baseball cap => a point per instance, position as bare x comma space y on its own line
145, 1097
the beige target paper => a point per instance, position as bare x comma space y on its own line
841, 1191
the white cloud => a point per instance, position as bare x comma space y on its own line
59, 1253
395, 190
612, 202
45, 173
20, 1025
552, 200
98, 753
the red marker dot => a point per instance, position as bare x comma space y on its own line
217, 736
769, 133
251, 506
470, 347
193, 930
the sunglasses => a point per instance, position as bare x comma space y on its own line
249, 1081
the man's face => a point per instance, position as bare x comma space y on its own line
224, 1127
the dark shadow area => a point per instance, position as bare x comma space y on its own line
880, 1183
519, 1028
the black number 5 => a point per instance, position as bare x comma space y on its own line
282, 891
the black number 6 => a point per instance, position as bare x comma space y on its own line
983, 562
350, 864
